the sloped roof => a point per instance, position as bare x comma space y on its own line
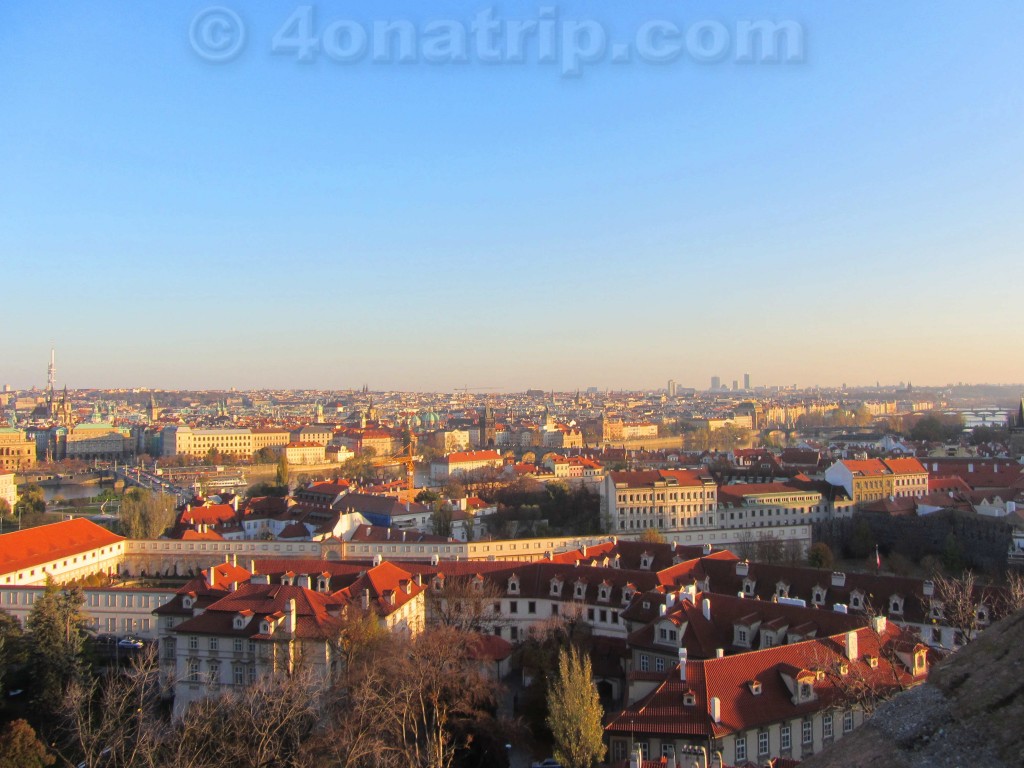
45, 543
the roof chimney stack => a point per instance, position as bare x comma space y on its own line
716, 709
705, 607
851, 646
682, 664
366, 599
212, 577
290, 617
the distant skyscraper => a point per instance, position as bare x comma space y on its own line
716, 382
735, 385
746, 381
671, 388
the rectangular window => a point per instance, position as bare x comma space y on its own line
785, 738
741, 748
805, 731
762, 744
659, 664
238, 645
847, 722
531, 607
513, 606
826, 726
193, 642
214, 643
645, 662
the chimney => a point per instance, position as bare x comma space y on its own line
583, 549
705, 607
716, 709
388, 535
878, 624
719, 653
252, 567
212, 578
670, 599
234, 586
304, 581
403, 535
377, 560
706, 549
662, 609
838, 579
234, 559
366, 599
419, 579
851, 646
289, 625
742, 567
682, 664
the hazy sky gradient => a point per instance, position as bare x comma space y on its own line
168, 222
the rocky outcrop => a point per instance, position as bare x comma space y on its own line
969, 713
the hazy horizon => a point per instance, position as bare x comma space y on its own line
849, 215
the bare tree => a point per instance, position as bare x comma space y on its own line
959, 604
465, 603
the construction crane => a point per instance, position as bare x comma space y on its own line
407, 459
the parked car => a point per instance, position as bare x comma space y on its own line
547, 762
130, 642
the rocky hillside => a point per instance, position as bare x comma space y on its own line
969, 713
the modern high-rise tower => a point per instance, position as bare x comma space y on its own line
746, 381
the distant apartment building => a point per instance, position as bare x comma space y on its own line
8, 488
274, 439
305, 453
102, 441
666, 499
17, 451
874, 479
757, 505
616, 430
186, 441
464, 463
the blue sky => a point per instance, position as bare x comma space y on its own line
170, 222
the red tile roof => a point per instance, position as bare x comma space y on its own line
45, 543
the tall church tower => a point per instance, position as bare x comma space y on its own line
488, 434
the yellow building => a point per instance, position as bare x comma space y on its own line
17, 452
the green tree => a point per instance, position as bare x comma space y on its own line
820, 556
21, 748
12, 645
427, 497
441, 520
281, 476
56, 629
30, 507
146, 515
574, 712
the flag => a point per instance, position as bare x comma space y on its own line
878, 559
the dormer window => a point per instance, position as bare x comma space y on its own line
580, 591
288, 579
556, 587
187, 602
844, 669
873, 662
818, 596
689, 699
478, 584
920, 662
806, 691
627, 593
646, 561
323, 584
782, 589
856, 599
936, 609
755, 687
896, 605
748, 586
513, 585
982, 615
239, 622
437, 584
604, 592
265, 627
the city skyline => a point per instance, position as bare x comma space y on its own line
849, 216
